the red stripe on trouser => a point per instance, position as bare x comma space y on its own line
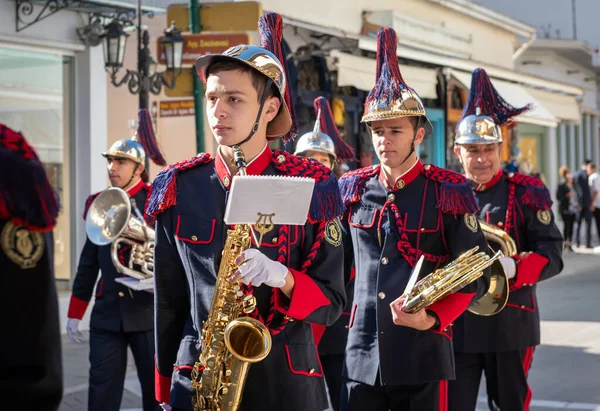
443, 396
527, 360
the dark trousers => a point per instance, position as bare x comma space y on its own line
108, 364
421, 397
597, 218
506, 380
569, 222
332, 368
584, 214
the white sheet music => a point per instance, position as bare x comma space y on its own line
135, 284
287, 199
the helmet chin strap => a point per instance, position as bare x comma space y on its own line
256, 124
412, 150
412, 143
132, 176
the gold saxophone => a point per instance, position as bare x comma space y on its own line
496, 297
230, 343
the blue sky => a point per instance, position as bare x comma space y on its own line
555, 14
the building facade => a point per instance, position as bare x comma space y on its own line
573, 62
54, 89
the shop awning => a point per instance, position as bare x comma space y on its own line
370, 44
518, 96
563, 107
360, 72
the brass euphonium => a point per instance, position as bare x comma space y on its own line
110, 220
496, 297
467, 268
229, 344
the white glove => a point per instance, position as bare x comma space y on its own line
165, 406
509, 266
257, 269
73, 330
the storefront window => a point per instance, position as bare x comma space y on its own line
34, 99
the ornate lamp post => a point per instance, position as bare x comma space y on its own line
141, 82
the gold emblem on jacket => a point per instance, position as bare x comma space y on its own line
544, 216
23, 247
333, 233
471, 222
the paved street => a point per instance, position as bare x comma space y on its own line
76, 367
566, 367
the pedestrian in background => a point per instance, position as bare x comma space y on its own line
584, 197
568, 205
594, 183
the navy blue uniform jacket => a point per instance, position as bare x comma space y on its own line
116, 307
428, 211
521, 206
189, 200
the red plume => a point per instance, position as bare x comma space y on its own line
342, 150
147, 139
270, 26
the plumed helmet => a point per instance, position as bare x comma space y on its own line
315, 141
268, 60
325, 137
485, 112
143, 143
478, 129
128, 148
391, 97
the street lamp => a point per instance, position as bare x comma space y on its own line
172, 44
141, 81
113, 44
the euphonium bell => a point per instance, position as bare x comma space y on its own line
467, 268
109, 220
496, 297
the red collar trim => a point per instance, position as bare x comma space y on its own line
136, 188
405, 179
491, 183
254, 167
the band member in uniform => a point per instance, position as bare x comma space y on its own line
397, 212
30, 360
121, 317
296, 276
325, 145
502, 345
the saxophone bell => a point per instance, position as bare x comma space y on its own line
248, 339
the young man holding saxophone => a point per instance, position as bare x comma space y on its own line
296, 276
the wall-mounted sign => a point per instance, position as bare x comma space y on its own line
196, 45
176, 108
